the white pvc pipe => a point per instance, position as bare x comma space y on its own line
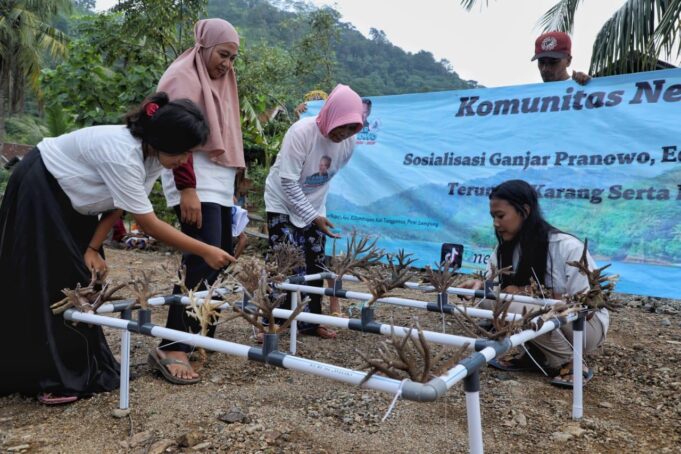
473, 312
342, 374
198, 340
529, 334
471, 294
290, 362
108, 308
431, 336
294, 325
86, 317
451, 290
165, 333
124, 394
454, 375
344, 323
474, 422
577, 381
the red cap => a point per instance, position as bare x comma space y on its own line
553, 44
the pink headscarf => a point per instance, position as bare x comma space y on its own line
187, 77
342, 107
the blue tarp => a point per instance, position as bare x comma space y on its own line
605, 159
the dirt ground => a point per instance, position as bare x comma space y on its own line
632, 405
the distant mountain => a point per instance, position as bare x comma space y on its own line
372, 67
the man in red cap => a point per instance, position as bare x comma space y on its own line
553, 52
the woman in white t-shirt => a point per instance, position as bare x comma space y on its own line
51, 236
537, 251
313, 151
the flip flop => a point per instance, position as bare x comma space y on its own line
161, 366
315, 332
563, 382
337, 314
53, 399
521, 363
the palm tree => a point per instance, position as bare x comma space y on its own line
25, 35
631, 40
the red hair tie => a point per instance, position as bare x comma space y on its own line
151, 109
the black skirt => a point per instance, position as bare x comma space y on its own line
42, 242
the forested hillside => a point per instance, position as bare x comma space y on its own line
99, 64
372, 65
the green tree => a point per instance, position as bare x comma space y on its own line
315, 57
631, 40
104, 75
165, 25
26, 34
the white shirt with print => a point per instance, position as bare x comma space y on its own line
304, 157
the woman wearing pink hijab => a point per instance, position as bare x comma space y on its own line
201, 192
313, 151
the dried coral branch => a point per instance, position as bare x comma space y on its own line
248, 274
401, 261
87, 299
502, 327
263, 297
206, 313
361, 253
283, 260
600, 286
441, 278
411, 357
142, 288
381, 279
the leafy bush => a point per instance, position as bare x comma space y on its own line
161, 209
4, 177
25, 129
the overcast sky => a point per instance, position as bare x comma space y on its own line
492, 44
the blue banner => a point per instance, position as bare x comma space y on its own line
605, 159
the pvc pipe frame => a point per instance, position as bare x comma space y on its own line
450, 290
410, 390
578, 323
467, 369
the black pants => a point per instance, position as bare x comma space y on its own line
216, 230
311, 241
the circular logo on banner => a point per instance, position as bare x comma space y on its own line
549, 43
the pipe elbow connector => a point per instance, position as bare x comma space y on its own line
424, 392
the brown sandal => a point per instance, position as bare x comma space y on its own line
323, 332
160, 365
565, 378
